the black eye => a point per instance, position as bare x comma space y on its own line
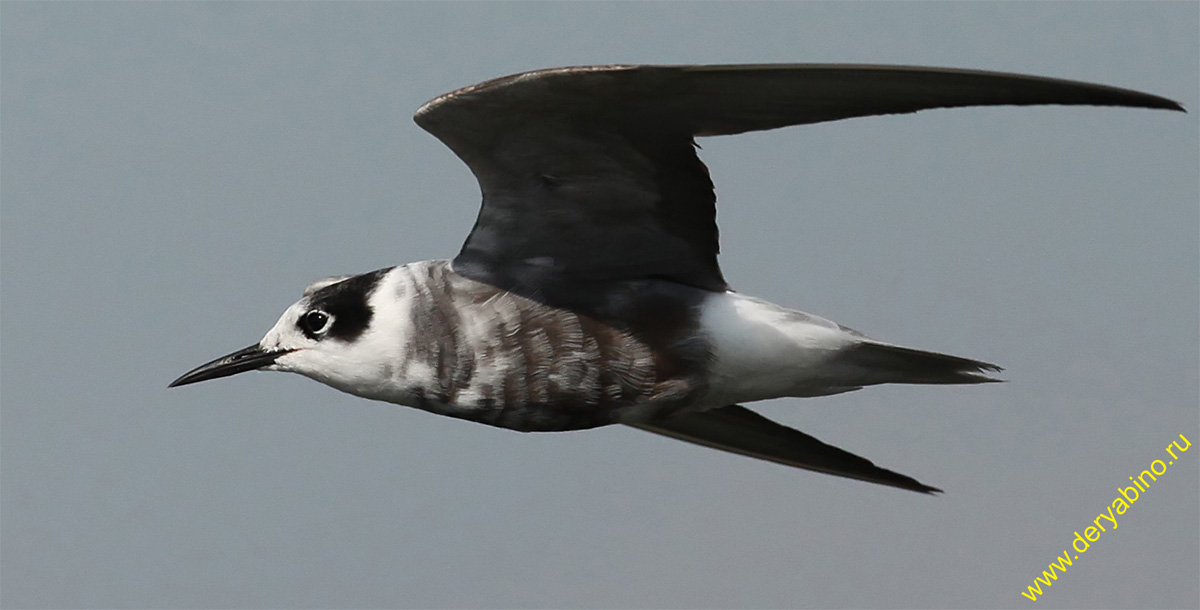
314, 322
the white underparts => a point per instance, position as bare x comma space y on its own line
761, 351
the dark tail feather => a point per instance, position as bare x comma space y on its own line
894, 364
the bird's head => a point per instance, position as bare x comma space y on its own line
326, 335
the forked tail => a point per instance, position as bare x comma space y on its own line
883, 363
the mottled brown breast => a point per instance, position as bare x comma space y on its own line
511, 361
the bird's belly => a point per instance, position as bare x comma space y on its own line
505, 360
571, 390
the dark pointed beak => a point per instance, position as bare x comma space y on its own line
248, 359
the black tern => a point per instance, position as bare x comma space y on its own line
588, 292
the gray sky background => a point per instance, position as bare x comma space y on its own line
175, 174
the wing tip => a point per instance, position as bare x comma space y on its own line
738, 430
928, 490
1156, 102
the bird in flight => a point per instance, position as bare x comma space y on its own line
588, 291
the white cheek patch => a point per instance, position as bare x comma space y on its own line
283, 364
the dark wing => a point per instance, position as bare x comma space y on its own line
590, 174
740, 430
